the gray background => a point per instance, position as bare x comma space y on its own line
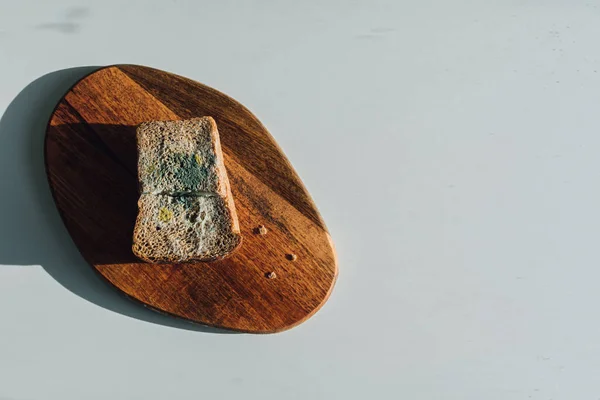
451, 146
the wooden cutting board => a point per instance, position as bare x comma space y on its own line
91, 161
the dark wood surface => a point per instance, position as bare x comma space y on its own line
91, 163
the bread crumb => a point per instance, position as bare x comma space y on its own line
271, 275
291, 257
261, 230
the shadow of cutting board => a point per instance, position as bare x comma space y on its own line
91, 161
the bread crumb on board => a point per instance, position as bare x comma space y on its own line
291, 256
271, 275
260, 230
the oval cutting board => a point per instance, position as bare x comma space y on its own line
91, 160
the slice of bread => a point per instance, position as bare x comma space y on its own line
186, 210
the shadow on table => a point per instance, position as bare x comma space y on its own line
31, 230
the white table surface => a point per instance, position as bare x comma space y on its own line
450, 145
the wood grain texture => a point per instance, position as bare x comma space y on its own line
91, 162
